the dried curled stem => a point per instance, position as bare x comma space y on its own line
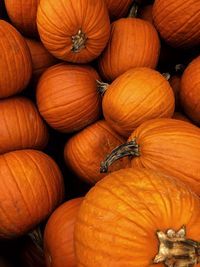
36, 237
101, 87
78, 41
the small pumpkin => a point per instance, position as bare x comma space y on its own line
75, 31
133, 43
84, 150
137, 95
21, 125
190, 90
22, 14
67, 97
59, 235
137, 217
178, 22
31, 188
168, 145
118, 8
15, 63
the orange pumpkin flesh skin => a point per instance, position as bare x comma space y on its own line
31, 188
122, 217
75, 31
168, 145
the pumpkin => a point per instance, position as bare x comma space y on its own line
75, 31
168, 145
15, 63
31, 187
190, 90
175, 82
118, 9
134, 217
84, 150
137, 95
21, 125
146, 13
22, 14
178, 22
41, 58
180, 116
133, 43
59, 235
67, 97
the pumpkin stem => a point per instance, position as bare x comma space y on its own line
133, 11
177, 251
179, 68
130, 149
78, 41
36, 237
166, 75
101, 87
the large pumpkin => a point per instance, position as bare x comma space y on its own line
59, 235
190, 90
136, 96
31, 188
67, 97
118, 8
133, 43
169, 145
21, 125
75, 31
124, 220
178, 21
85, 150
22, 14
15, 63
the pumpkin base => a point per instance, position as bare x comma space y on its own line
78, 41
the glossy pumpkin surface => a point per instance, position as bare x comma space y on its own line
15, 63
119, 217
137, 95
59, 235
21, 125
84, 151
133, 43
75, 31
67, 97
32, 186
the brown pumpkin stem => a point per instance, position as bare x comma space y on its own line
177, 251
133, 11
78, 41
36, 237
166, 75
179, 68
101, 87
130, 149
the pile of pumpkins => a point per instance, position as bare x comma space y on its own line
119, 82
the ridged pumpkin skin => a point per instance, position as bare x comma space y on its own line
15, 63
137, 95
171, 146
133, 43
178, 22
190, 90
21, 125
84, 151
32, 186
59, 235
22, 14
59, 21
118, 219
118, 8
41, 58
67, 97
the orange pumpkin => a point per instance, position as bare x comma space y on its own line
21, 125
67, 97
133, 43
41, 58
22, 14
118, 8
59, 235
85, 150
189, 90
31, 188
15, 63
134, 218
137, 95
175, 82
75, 31
168, 145
178, 22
